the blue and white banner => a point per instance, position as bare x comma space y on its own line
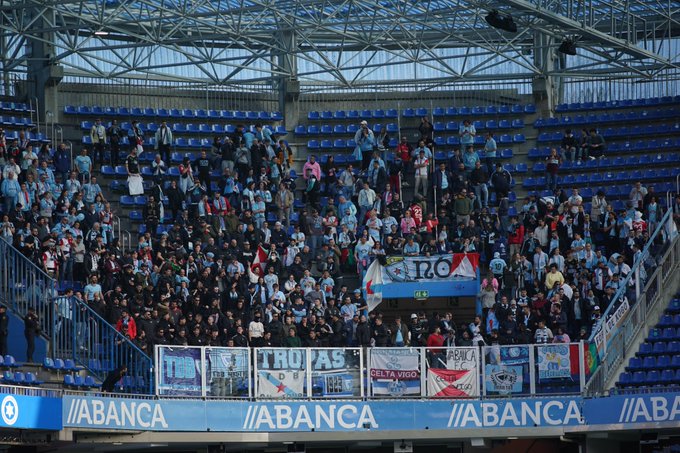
89, 412
180, 371
30, 412
644, 408
227, 371
395, 371
503, 379
554, 361
281, 372
336, 372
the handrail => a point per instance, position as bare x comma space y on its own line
625, 338
24, 285
96, 344
624, 284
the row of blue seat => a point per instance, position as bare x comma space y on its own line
16, 107
60, 365
78, 382
620, 147
172, 113
649, 378
606, 178
653, 363
451, 126
16, 121
626, 103
658, 348
668, 320
190, 128
625, 132
612, 162
663, 334
619, 117
367, 114
32, 136
20, 378
454, 140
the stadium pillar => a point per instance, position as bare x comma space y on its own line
287, 84
546, 86
43, 73
600, 444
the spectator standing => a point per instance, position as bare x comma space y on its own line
114, 134
467, 134
163, 138
490, 150
98, 136
553, 162
31, 330
365, 140
421, 165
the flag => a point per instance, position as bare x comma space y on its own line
373, 285
591, 358
465, 265
260, 260
451, 383
281, 384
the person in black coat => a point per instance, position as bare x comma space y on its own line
114, 376
363, 333
31, 330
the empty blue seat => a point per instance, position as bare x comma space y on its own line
313, 144
339, 115
31, 379
326, 144
648, 363
438, 111
635, 364
70, 365
326, 129
663, 362
366, 114
89, 382
639, 378
506, 153
127, 200
339, 129
391, 113
69, 381
339, 143
10, 362
659, 348
59, 364
379, 113
313, 129
492, 124
409, 113
505, 139
625, 380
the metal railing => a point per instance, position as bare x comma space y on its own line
371, 373
96, 345
646, 307
25, 285
74, 329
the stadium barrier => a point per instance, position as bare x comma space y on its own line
373, 373
24, 285
615, 336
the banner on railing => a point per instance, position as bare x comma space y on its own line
398, 269
438, 276
460, 378
506, 370
336, 372
281, 373
554, 361
227, 371
180, 371
607, 328
395, 371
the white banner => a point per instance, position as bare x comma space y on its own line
280, 384
461, 376
398, 269
395, 371
554, 361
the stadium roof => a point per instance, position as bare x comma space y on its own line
344, 44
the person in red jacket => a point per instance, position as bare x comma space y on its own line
515, 235
435, 341
126, 325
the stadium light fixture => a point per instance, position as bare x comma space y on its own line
567, 47
501, 21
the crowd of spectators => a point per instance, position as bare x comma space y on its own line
244, 262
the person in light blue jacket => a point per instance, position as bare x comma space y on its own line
10, 191
365, 140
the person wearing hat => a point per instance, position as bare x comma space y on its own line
365, 140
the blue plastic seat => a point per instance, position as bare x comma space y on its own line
652, 377
409, 113
379, 113
69, 381
506, 153
89, 382
326, 129
625, 380
31, 379
635, 364
339, 143
339, 129
366, 114
340, 115
648, 363
505, 139
438, 111
639, 378
10, 362
127, 200
663, 362
313, 144
659, 348
70, 365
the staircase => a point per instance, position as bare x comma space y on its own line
72, 329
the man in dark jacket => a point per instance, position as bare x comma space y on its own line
381, 335
363, 333
501, 180
31, 330
114, 376
4, 330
